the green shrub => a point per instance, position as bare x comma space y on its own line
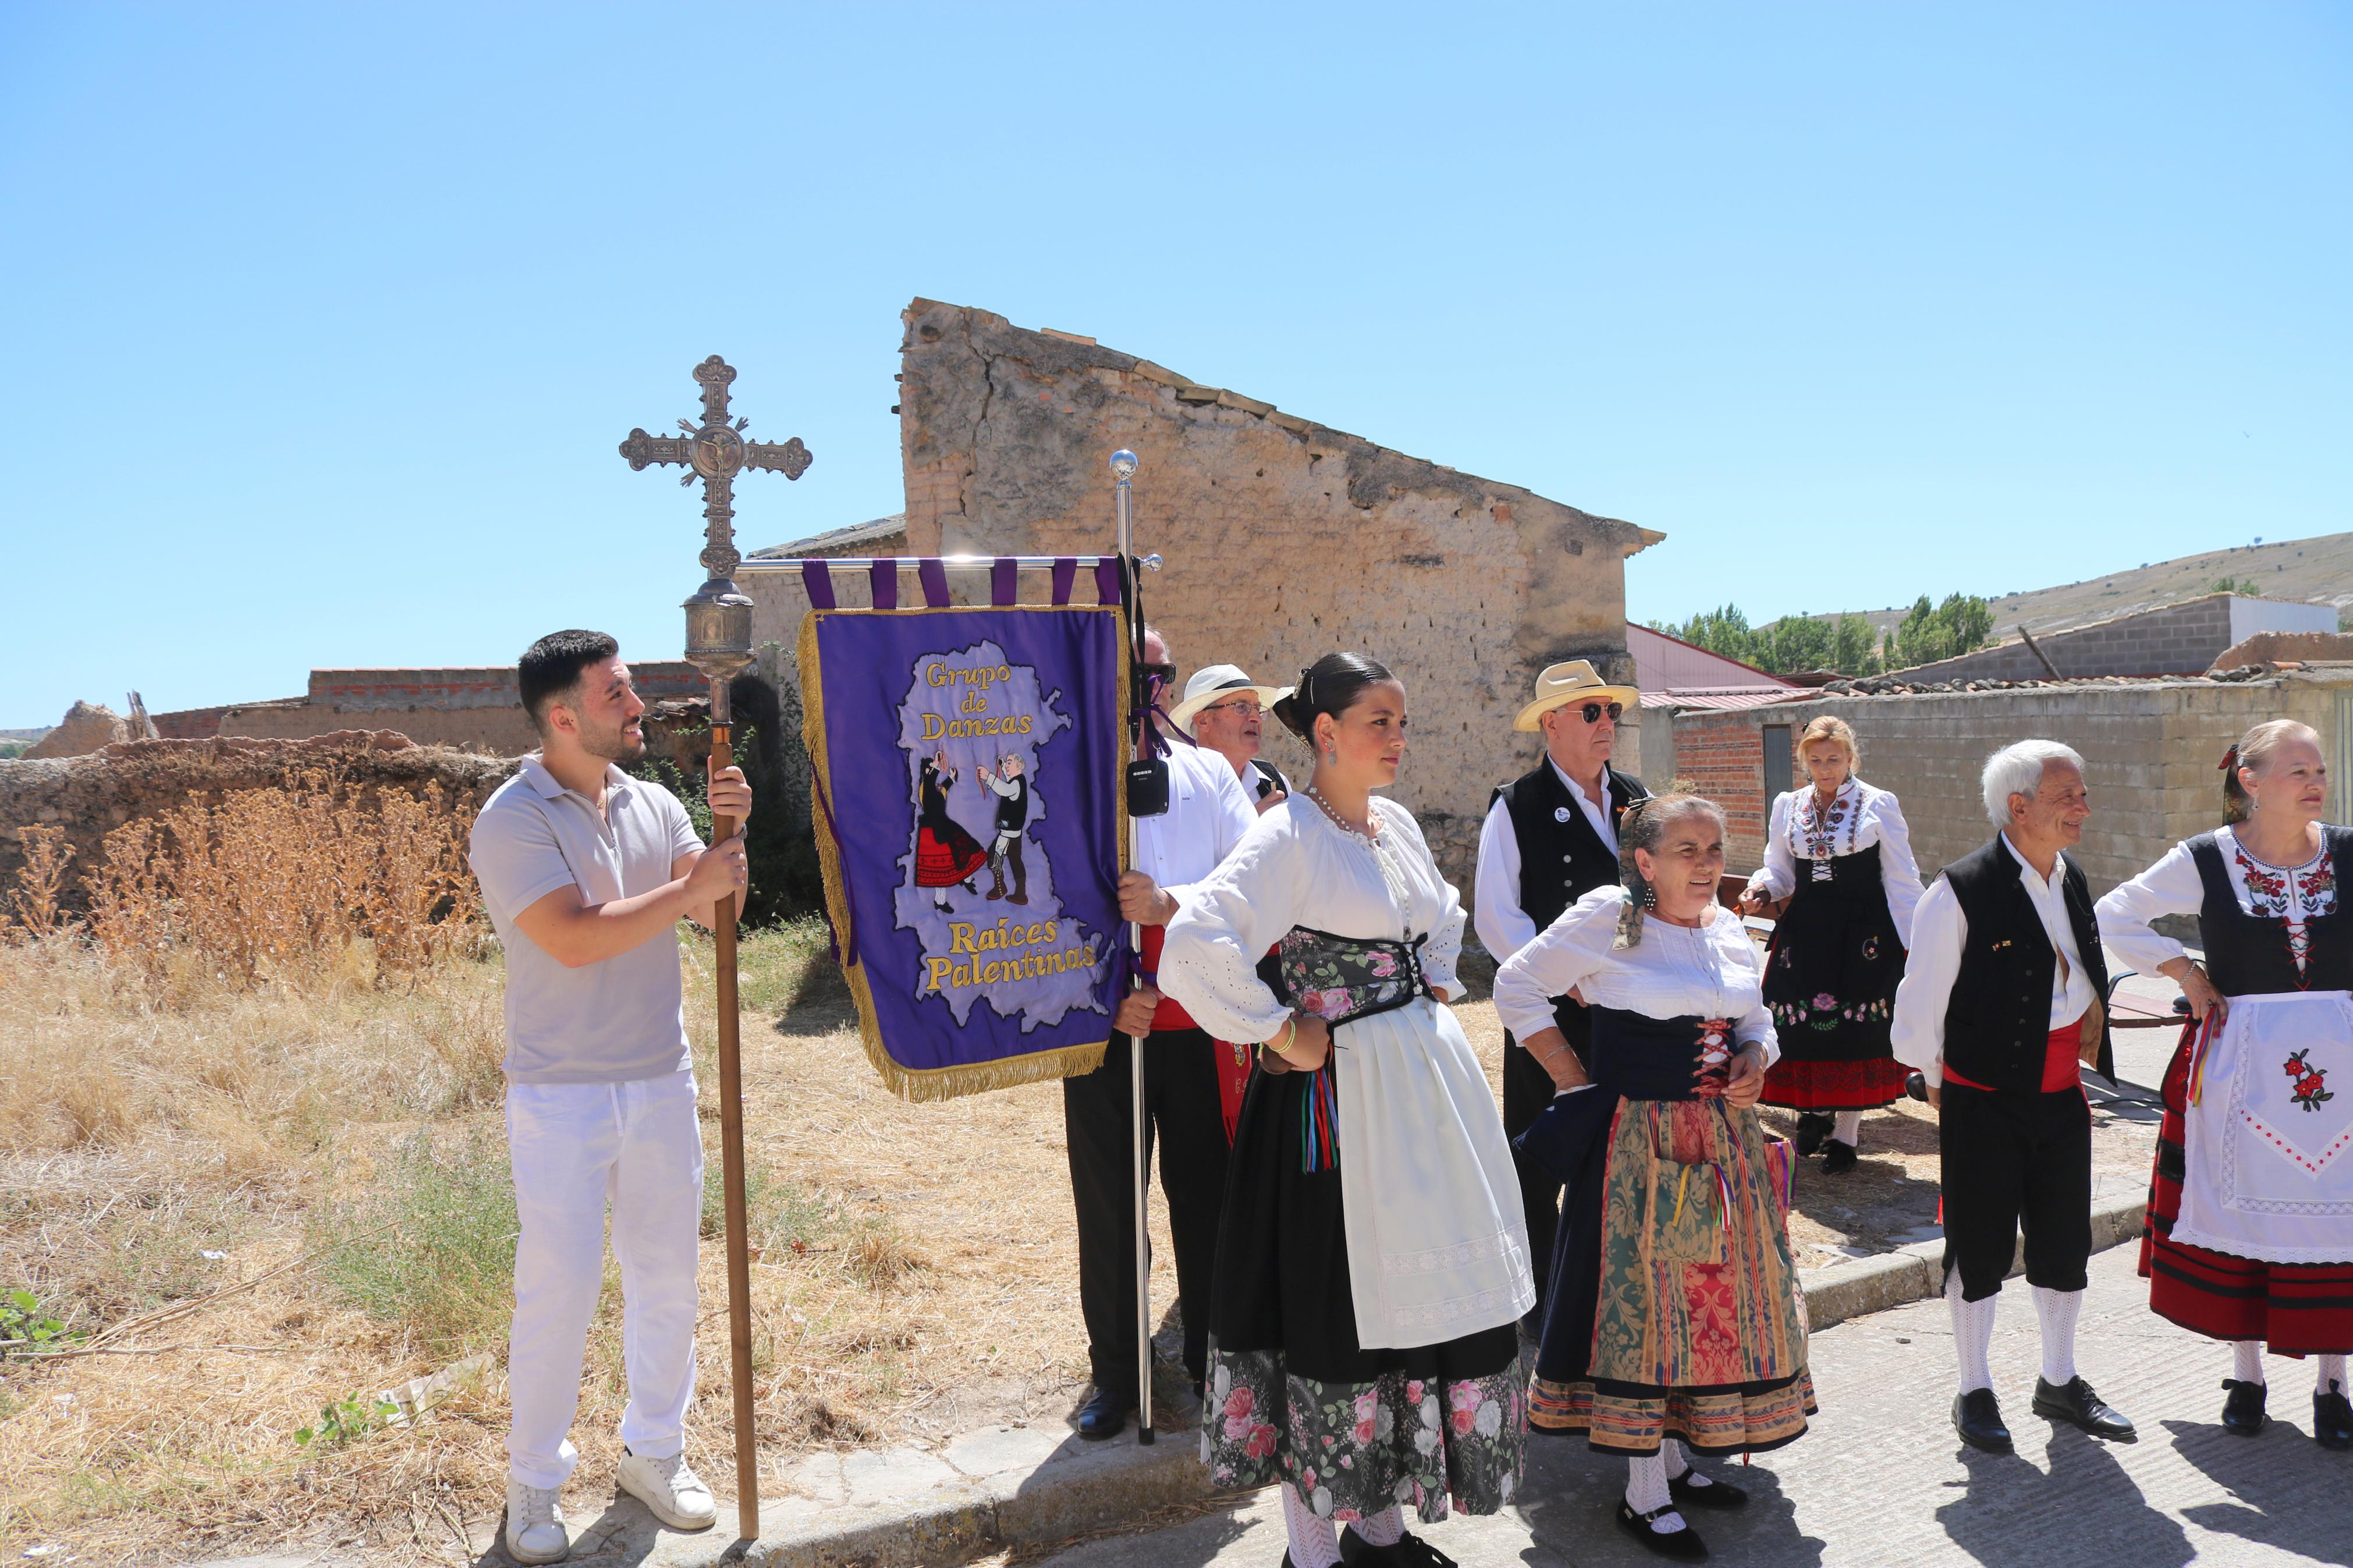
444, 1270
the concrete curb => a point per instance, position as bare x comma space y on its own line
1915, 1273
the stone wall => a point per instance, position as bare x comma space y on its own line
473, 707
2184, 638
83, 730
1284, 540
2150, 750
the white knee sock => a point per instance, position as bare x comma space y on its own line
2327, 1370
2057, 1309
1972, 1334
1677, 1459
1384, 1529
1646, 1489
2247, 1360
1315, 1544
1848, 1127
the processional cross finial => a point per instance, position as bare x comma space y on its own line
717, 452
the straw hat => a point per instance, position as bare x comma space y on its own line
1572, 682
1214, 684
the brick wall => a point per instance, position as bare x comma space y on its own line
1722, 755
2184, 638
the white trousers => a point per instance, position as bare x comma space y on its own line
575, 1147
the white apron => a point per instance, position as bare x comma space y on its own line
2268, 1145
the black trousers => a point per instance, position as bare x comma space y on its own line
1182, 1115
1527, 1089
2013, 1160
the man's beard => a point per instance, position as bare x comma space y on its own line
614, 745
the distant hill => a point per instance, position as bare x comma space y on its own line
27, 736
2316, 571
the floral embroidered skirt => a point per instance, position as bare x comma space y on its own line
1831, 983
1674, 1311
1293, 1399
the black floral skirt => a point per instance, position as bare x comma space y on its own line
1293, 1399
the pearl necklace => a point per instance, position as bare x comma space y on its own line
1342, 823
1392, 874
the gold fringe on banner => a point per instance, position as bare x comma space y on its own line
942, 1083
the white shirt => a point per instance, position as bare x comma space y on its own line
2172, 887
1677, 971
1208, 812
1873, 817
1503, 926
1939, 930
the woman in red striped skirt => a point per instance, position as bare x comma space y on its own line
2250, 1232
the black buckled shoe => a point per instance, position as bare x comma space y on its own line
1977, 1417
1104, 1415
2080, 1408
1813, 1127
1408, 1551
1837, 1158
1683, 1545
2332, 1417
2243, 1408
1706, 1492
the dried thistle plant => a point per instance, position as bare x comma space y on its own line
33, 906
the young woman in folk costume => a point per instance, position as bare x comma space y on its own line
1839, 853
1672, 1321
1372, 1257
946, 855
2250, 1207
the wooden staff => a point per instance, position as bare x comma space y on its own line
730, 1149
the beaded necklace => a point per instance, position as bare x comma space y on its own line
1819, 827
1392, 874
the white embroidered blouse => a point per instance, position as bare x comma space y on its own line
1858, 816
2292, 895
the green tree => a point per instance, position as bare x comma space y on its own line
1929, 633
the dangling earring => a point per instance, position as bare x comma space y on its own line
1649, 896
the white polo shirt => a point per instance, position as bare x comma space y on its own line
621, 1018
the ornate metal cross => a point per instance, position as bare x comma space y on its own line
716, 451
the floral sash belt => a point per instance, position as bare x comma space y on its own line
1344, 978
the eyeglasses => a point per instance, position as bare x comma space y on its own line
1593, 711
1247, 708
1163, 672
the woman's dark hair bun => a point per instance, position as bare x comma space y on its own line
1330, 685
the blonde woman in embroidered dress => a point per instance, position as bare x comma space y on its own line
1372, 1260
1676, 1194
1839, 854
2250, 1232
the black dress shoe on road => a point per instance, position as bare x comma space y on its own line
2332, 1417
1683, 1545
1812, 1128
2243, 1408
2078, 1407
1104, 1415
1704, 1492
1977, 1417
1837, 1158
1408, 1551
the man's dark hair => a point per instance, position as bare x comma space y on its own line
551, 667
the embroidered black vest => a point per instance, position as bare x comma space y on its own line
1998, 1019
1013, 810
1561, 857
2247, 955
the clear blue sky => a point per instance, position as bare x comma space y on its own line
321, 321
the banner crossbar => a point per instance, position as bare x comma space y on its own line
911, 563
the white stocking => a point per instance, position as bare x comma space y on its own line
1848, 1128
1314, 1543
1386, 1528
1646, 1489
2057, 1309
2247, 1361
1972, 1334
2330, 1369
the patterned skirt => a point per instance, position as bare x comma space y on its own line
2295, 1309
945, 858
1865, 1085
1292, 1395
1682, 1268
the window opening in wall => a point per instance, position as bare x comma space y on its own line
1778, 760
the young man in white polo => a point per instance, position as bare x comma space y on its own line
587, 872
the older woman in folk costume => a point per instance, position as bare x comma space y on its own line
1372, 1260
1840, 853
1672, 1323
2251, 1207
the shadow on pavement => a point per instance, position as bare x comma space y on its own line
1569, 1502
2013, 1514
2289, 1492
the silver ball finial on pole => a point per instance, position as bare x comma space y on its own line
1123, 464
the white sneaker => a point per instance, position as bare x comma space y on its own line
535, 1532
677, 1496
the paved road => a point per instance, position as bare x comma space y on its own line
1880, 1479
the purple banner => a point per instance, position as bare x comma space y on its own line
967, 765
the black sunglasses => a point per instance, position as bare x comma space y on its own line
1593, 711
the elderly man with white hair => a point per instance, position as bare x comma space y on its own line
2000, 1007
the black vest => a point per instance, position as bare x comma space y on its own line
1561, 857
1998, 1019
1013, 810
2247, 955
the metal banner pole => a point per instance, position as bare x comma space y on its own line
1123, 467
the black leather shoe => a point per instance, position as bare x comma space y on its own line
2243, 1408
1837, 1157
1715, 1494
1812, 1128
1683, 1545
2078, 1407
1408, 1551
2332, 1417
1977, 1417
1104, 1415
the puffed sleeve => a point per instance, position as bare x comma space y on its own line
1226, 920
1754, 1026
1779, 876
1899, 873
1939, 930
1565, 952
2171, 887
1442, 953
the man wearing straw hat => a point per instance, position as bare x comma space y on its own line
1225, 712
1551, 837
